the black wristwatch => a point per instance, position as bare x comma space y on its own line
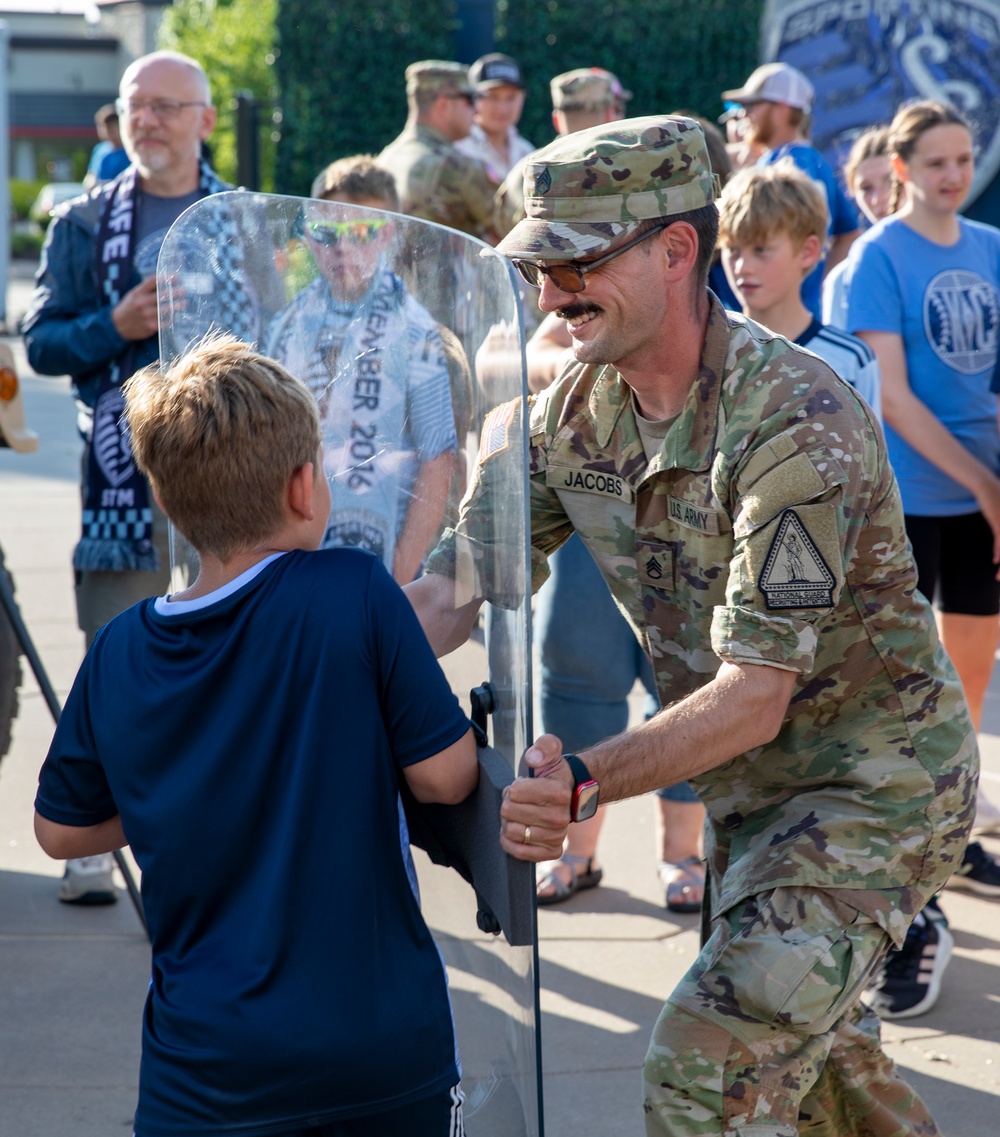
586, 792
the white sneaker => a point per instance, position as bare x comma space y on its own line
987, 815
89, 880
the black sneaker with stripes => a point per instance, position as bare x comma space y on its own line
909, 981
980, 872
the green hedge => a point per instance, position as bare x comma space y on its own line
672, 54
340, 64
340, 69
22, 197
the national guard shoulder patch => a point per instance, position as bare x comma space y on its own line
795, 574
495, 435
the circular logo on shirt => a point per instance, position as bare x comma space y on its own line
961, 319
146, 253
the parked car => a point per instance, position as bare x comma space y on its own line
51, 195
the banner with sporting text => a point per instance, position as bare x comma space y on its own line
865, 57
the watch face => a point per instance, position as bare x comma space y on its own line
585, 800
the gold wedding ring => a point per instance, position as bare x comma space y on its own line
527, 834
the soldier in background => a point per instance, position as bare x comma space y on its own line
585, 97
813, 706
434, 180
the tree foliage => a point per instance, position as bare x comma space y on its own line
234, 40
671, 54
340, 67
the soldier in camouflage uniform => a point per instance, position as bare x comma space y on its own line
434, 180
585, 97
738, 499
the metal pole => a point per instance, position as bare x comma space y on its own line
247, 140
9, 605
4, 169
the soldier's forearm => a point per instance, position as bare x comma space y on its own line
446, 626
741, 708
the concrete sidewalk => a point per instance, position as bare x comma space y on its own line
73, 981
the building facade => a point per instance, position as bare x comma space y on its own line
65, 58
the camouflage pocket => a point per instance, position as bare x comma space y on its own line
792, 957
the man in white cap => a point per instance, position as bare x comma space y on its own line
777, 100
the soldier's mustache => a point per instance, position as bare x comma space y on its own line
578, 308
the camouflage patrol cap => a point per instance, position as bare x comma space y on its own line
429, 76
586, 191
587, 89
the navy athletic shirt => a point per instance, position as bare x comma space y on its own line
252, 748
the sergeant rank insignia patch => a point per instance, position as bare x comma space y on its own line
795, 574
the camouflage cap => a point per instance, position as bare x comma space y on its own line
584, 192
587, 89
429, 76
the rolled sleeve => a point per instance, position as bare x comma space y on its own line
744, 635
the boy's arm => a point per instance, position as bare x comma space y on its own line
64, 842
447, 777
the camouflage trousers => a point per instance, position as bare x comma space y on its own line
765, 1036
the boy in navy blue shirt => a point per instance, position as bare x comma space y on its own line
246, 738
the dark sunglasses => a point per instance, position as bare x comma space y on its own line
568, 275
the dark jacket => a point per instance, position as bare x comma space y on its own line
68, 328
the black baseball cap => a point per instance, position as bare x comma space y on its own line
495, 70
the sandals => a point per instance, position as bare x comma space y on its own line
582, 875
684, 882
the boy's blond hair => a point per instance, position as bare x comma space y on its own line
760, 201
219, 434
354, 177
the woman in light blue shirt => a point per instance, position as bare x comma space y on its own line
924, 293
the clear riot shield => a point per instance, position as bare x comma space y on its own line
407, 337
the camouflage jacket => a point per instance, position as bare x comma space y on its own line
508, 202
768, 529
438, 183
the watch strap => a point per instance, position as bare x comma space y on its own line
579, 770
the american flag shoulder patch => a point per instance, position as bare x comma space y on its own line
496, 433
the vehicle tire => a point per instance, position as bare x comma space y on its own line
10, 671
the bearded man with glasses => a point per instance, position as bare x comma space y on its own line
736, 495
93, 315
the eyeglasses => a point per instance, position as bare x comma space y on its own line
568, 276
465, 96
351, 232
163, 109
